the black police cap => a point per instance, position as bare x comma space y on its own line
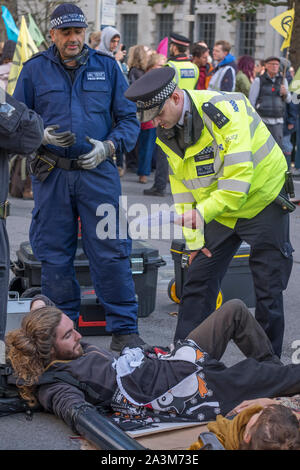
151, 91
179, 39
68, 15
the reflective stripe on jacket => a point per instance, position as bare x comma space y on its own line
235, 169
186, 73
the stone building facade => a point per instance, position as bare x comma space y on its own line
139, 23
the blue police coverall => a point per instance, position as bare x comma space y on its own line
92, 105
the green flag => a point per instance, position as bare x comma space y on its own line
35, 32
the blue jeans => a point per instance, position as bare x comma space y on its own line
146, 148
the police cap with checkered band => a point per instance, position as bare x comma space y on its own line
151, 91
68, 15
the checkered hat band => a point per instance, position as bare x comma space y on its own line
67, 19
160, 97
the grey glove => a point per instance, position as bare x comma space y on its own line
59, 139
99, 153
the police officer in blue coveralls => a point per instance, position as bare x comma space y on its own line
79, 92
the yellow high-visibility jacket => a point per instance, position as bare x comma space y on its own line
234, 169
186, 73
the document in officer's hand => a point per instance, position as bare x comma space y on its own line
160, 218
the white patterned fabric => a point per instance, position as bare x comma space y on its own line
159, 98
67, 19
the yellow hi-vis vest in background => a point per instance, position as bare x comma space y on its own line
234, 170
186, 73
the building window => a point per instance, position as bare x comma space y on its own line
164, 26
207, 29
129, 30
246, 35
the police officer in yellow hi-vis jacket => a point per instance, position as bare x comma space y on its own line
228, 180
186, 72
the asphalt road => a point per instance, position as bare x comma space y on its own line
45, 432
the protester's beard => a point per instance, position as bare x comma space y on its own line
68, 355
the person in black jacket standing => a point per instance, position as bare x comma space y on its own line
21, 131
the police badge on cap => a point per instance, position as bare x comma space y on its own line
68, 15
151, 91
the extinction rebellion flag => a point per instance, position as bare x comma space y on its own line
283, 24
25, 48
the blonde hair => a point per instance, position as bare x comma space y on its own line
137, 57
155, 59
29, 348
96, 35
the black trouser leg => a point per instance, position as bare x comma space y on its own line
277, 132
271, 263
162, 170
233, 321
4, 277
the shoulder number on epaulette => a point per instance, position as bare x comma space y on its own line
215, 114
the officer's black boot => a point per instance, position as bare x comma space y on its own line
153, 191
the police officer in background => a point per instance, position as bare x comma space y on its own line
186, 76
228, 182
79, 92
21, 132
186, 72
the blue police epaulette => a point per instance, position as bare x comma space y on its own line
37, 54
215, 114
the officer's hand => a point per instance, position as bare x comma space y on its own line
190, 219
59, 139
99, 152
193, 254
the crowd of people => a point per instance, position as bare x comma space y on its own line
217, 70
219, 131
265, 82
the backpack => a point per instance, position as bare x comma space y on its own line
10, 400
